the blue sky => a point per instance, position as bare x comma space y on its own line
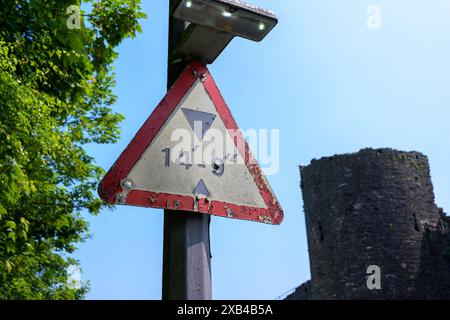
329, 84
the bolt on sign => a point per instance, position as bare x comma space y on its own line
190, 155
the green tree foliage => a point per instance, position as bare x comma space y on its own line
55, 97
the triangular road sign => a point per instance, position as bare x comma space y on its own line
190, 156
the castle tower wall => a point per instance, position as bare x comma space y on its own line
371, 208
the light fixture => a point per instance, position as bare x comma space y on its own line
227, 14
214, 23
231, 16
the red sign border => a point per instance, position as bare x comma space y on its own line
110, 189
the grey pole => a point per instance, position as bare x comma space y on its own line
186, 256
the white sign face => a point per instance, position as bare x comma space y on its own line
194, 154
190, 156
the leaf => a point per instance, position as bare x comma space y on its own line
10, 247
12, 236
10, 225
9, 266
23, 234
24, 221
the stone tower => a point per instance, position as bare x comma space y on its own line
374, 208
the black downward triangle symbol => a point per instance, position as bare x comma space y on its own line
199, 118
201, 189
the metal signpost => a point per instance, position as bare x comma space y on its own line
170, 163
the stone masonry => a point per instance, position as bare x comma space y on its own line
374, 207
